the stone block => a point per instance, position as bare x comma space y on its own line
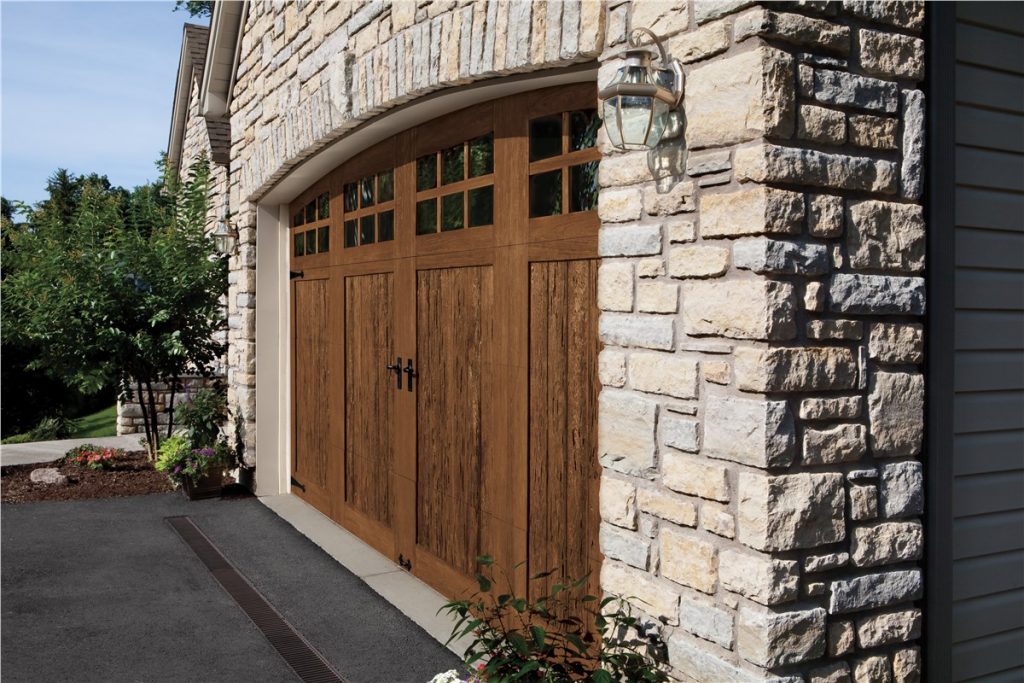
717, 521
886, 543
717, 371
620, 206
780, 257
755, 211
657, 598
625, 546
841, 638
909, 14
906, 665
844, 89
643, 331
863, 502
912, 168
667, 506
626, 432
885, 236
760, 578
750, 431
825, 215
771, 638
680, 432
696, 477
657, 297
688, 560
842, 443
891, 55
650, 268
693, 46
664, 17
896, 413
814, 297
615, 286
897, 342
791, 511
874, 668
707, 621
819, 368
629, 240
888, 628
700, 663
665, 374
706, 10
836, 672
877, 294
703, 163
875, 132
820, 124
841, 330
676, 199
767, 163
839, 408
901, 489
793, 28
825, 562
681, 230
611, 368
618, 502
697, 261
623, 169
739, 309
871, 591
740, 98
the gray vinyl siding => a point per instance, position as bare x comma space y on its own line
988, 383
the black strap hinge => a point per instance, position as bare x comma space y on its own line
292, 274
295, 482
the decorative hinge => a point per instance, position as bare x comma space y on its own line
404, 562
295, 482
292, 274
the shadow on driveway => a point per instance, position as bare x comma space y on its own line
105, 590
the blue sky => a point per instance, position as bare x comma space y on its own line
86, 86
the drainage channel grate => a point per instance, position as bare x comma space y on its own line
308, 664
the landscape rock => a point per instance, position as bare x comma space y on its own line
49, 476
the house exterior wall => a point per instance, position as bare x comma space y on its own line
762, 289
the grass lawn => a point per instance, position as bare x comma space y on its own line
102, 423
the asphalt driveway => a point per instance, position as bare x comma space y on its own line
105, 590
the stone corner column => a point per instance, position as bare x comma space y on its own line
761, 418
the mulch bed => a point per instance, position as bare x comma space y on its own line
133, 475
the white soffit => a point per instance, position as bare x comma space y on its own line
419, 111
221, 53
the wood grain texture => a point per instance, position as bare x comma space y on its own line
454, 328
564, 387
312, 379
369, 392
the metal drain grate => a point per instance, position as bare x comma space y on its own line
308, 664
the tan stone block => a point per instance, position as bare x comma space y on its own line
623, 169
793, 28
821, 124
886, 236
688, 560
717, 371
626, 435
825, 368
762, 579
660, 373
835, 329
876, 132
705, 42
697, 261
888, 628
611, 368
667, 506
756, 211
620, 206
906, 665
655, 597
718, 521
650, 268
664, 17
875, 669
745, 97
791, 511
886, 543
863, 502
695, 476
833, 445
739, 309
897, 342
770, 638
767, 163
615, 286
840, 638
676, 199
891, 55
814, 297
618, 502
681, 231
750, 431
825, 215
657, 297
896, 413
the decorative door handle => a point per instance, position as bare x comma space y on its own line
409, 374
397, 367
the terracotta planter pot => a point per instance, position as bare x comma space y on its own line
207, 486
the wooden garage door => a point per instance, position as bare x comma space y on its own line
461, 341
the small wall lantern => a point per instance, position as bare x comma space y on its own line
639, 105
225, 234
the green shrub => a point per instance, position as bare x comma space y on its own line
93, 457
178, 460
203, 416
514, 639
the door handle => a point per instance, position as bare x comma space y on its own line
397, 367
409, 374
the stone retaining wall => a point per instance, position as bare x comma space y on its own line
762, 414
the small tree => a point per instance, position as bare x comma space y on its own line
126, 289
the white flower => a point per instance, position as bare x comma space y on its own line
447, 677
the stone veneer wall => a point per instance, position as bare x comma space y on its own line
762, 413
310, 72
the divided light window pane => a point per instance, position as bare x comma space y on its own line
583, 127
481, 206
452, 170
451, 212
481, 156
311, 211
310, 242
426, 172
366, 230
323, 239
426, 217
299, 242
324, 208
351, 197
366, 192
546, 194
583, 187
386, 226
386, 185
545, 137
351, 233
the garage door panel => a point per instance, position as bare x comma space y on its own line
312, 376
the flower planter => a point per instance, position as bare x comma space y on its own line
207, 486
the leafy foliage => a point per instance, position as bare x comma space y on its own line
518, 640
178, 460
112, 286
195, 8
93, 457
203, 416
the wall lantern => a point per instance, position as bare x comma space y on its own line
225, 234
639, 105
